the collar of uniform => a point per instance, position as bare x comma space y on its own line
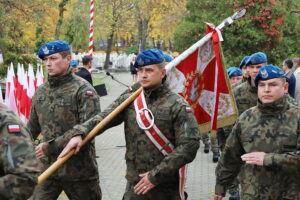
55, 81
157, 91
273, 108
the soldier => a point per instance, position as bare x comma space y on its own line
246, 93
152, 165
58, 105
263, 147
235, 75
246, 97
74, 65
19, 167
245, 71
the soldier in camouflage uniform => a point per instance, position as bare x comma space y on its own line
235, 76
62, 102
19, 168
264, 145
246, 97
150, 174
245, 71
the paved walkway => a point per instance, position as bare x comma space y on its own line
110, 147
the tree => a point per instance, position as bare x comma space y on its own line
76, 26
268, 26
115, 16
59, 23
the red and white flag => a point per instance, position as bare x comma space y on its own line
200, 77
39, 77
10, 99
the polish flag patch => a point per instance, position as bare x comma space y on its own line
13, 128
89, 93
188, 109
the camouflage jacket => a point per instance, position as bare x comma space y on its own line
19, 168
273, 129
176, 122
245, 96
57, 106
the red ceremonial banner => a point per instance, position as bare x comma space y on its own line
202, 80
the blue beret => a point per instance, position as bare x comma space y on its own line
243, 62
149, 57
168, 58
268, 72
73, 63
256, 59
52, 48
234, 71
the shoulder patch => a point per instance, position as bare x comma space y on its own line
13, 128
188, 109
89, 93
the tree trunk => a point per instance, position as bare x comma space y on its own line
158, 43
59, 23
108, 49
170, 45
143, 32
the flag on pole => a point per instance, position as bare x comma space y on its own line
39, 77
10, 100
201, 79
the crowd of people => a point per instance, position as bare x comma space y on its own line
259, 154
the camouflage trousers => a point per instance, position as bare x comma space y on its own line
156, 193
208, 140
81, 190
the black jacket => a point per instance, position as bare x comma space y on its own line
85, 74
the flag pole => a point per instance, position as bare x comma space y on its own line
207, 37
57, 164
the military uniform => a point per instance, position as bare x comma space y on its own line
19, 168
271, 128
57, 106
173, 116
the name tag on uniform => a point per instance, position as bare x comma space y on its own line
13, 128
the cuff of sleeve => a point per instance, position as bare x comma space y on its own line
48, 149
74, 132
268, 160
152, 176
220, 190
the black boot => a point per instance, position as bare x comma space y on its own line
234, 196
216, 156
206, 148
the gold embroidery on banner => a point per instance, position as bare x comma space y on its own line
193, 87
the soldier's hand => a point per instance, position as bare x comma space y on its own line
39, 153
218, 197
75, 143
144, 185
254, 158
